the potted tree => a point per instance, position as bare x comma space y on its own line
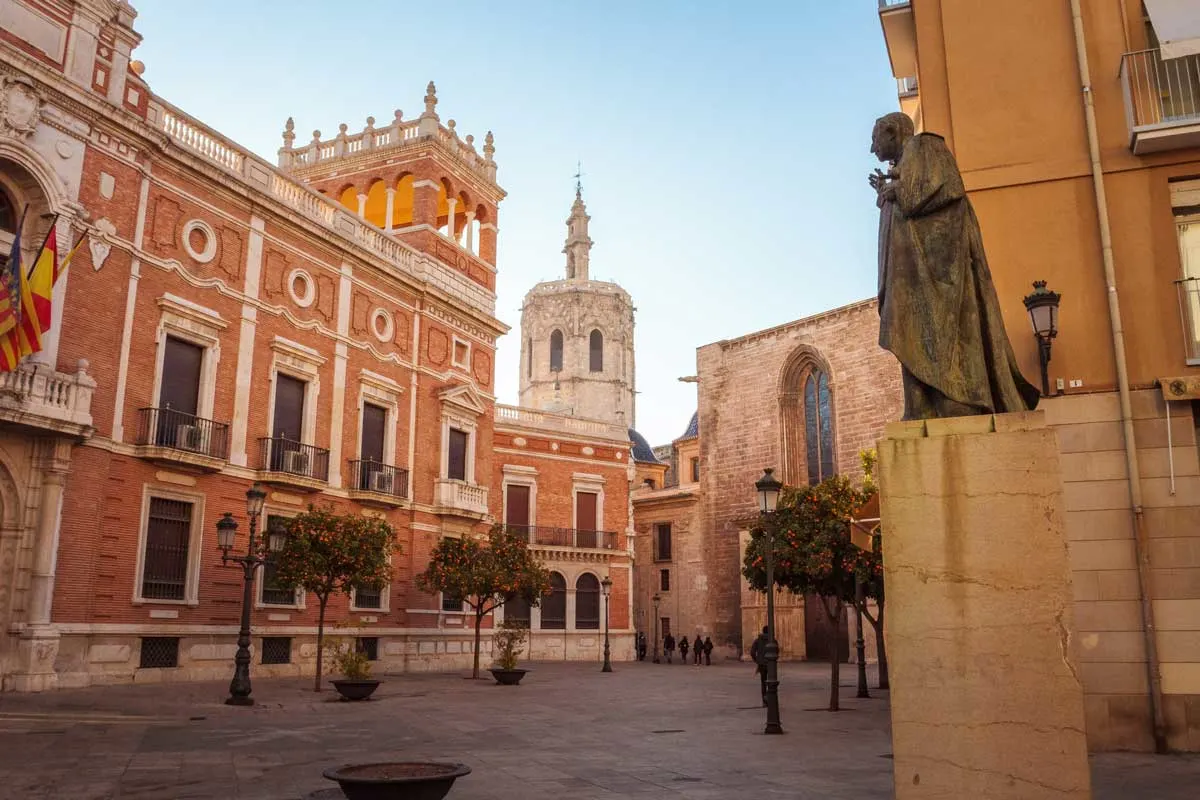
328, 553
508, 644
397, 780
485, 576
356, 683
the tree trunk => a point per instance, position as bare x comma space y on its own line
880, 649
479, 612
835, 650
322, 601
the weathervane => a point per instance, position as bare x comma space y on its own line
578, 177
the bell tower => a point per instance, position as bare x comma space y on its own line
577, 337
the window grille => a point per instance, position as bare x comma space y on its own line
366, 597
662, 542
159, 652
277, 650
168, 531
451, 603
587, 602
368, 645
664, 580
554, 605
273, 592
516, 609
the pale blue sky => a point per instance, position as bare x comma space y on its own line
724, 144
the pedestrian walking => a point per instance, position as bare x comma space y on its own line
641, 646
707, 651
698, 650
683, 648
758, 653
669, 646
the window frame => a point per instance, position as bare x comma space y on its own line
465, 363
304, 364
595, 354
192, 323
597, 593
562, 346
443, 597
260, 581
566, 617
191, 587
518, 475
658, 556
664, 579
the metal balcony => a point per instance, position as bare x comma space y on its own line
376, 482
567, 537
291, 463
1162, 101
165, 434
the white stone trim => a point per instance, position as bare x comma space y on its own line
191, 590
135, 274
210, 241
387, 398
310, 288
298, 594
590, 484
385, 600
516, 475
466, 361
298, 361
190, 322
389, 324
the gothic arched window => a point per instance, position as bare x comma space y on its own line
596, 351
818, 427
556, 351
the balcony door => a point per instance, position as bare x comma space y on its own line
374, 429
288, 427
586, 508
516, 507
179, 394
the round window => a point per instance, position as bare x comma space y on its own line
200, 241
301, 288
382, 325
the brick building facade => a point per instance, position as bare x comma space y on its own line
325, 327
806, 398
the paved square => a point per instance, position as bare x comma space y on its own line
645, 731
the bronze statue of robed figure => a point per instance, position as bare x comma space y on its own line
938, 312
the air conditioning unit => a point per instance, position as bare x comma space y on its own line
381, 482
190, 437
296, 462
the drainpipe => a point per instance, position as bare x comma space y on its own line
1141, 550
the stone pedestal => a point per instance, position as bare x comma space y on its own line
987, 700
37, 648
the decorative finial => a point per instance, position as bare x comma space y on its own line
316, 137
370, 122
289, 132
430, 98
398, 115
578, 180
489, 145
471, 142
342, 129
450, 124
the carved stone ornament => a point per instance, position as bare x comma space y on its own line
99, 247
20, 107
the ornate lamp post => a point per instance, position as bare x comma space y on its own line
860, 646
606, 588
768, 500
1042, 306
656, 600
239, 687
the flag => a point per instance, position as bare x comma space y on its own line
28, 330
10, 279
66, 260
40, 281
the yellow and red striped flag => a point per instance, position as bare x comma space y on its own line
10, 308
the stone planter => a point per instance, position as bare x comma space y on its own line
507, 677
399, 780
355, 690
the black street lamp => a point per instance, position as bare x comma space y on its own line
768, 500
239, 687
656, 599
860, 646
606, 588
1042, 306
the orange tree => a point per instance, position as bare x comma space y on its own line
813, 551
327, 553
485, 575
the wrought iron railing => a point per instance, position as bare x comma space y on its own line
283, 455
166, 427
1161, 91
567, 537
375, 476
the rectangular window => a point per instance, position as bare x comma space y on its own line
366, 597
662, 541
374, 431
289, 408
273, 592
450, 603
516, 506
168, 536
462, 354
665, 622
180, 385
368, 645
586, 511
1189, 286
159, 652
695, 470
664, 580
277, 650
456, 462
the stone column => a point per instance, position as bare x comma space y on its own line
452, 205
987, 699
362, 205
37, 647
391, 203
470, 231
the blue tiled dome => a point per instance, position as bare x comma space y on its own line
693, 428
642, 452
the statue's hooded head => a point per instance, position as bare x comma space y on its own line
890, 134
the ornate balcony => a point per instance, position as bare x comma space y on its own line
1162, 101
290, 463
174, 437
460, 496
36, 396
378, 483
567, 537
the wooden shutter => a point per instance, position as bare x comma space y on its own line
289, 407
585, 511
374, 429
516, 510
457, 461
180, 390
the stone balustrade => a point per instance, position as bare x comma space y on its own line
196, 137
462, 496
559, 423
37, 396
